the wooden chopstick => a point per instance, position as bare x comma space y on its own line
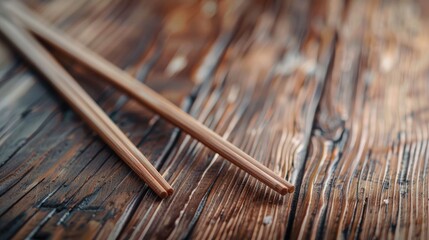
150, 98
83, 104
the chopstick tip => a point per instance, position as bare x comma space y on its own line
163, 194
283, 190
170, 191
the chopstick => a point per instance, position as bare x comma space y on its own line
150, 99
85, 106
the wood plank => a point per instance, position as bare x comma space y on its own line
330, 94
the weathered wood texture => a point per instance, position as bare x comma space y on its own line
332, 95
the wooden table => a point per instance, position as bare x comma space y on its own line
333, 95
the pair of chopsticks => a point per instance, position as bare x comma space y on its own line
82, 103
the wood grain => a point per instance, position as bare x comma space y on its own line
148, 98
331, 94
84, 105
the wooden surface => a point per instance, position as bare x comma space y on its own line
332, 95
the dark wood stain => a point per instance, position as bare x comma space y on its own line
330, 94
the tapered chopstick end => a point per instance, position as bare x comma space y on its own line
283, 190
163, 194
170, 191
